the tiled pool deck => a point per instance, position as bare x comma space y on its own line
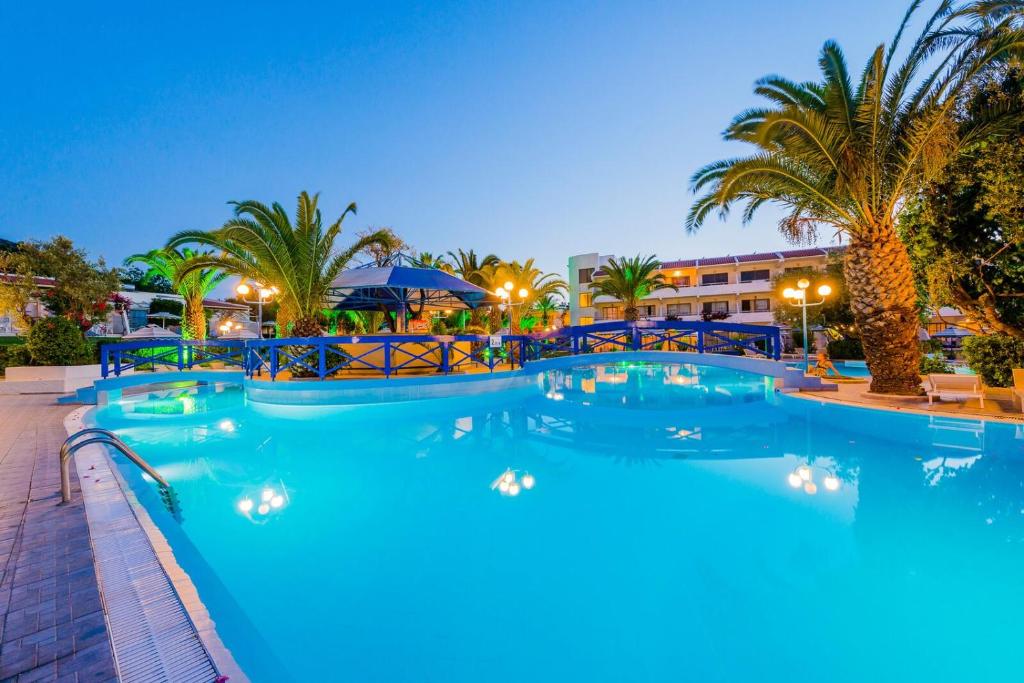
53, 626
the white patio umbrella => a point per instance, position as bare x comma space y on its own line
163, 317
152, 332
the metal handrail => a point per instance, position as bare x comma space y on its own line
105, 437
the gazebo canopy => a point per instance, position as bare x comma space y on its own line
404, 285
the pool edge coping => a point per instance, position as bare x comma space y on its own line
834, 399
158, 556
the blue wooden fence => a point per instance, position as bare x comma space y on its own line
389, 355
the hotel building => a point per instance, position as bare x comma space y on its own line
739, 286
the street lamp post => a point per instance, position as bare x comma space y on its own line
505, 293
262, 294
798, 297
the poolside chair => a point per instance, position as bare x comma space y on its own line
955, 387
1018, 388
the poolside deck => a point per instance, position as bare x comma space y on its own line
998, 404
53, 626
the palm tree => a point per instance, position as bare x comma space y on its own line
523, 276
468, 266
193, 286
428, 260
546, 306
261, 243
845, 157
630, 279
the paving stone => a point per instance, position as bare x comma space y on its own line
51, 620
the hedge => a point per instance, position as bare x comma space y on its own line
993, 357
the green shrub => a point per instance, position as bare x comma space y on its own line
931, 365
12, 356
846, 348
58, 341
993, 356
11, 341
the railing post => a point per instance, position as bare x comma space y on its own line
776, 344
321, 358
117, 362
273, 362
700, 340
444, 357
636, 338
181, 356
387, 358
104, 359
189, 356
575, 343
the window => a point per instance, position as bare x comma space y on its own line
586, 320
611, 313
137, 318
755, 275
586, 275
586, 300
757, 305
648, 311
679, 309
716, 306
714, 279
681, 281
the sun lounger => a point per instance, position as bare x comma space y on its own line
1018, 388
955, 387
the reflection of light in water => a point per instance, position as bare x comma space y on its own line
803, 478
588, 386
270, 500
555, 395
507, 485
226, 425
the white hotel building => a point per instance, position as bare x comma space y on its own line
737, 285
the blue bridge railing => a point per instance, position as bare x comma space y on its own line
387, 355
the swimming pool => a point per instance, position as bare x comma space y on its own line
615, 522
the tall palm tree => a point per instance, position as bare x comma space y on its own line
523, 276
261, 243
193, 286
630, 279
470, 267
845, 157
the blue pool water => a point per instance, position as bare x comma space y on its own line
669, 523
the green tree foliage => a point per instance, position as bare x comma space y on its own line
57, 341
193, 285
993, 357
82, 290
844, 155
965, 230
145, 280
261, 243
630, 279
835, 315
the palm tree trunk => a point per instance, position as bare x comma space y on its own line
884, 302
195, 319
306, 327
631, 314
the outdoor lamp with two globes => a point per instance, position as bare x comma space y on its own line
505, 294
798, 297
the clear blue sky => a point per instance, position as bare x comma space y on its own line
525, 128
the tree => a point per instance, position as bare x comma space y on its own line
471, 268
630, 279
523, 277
261, 243
546, 306
847, 157
193, 286
383, 245
835, 315
145, 280
965, 230
428, 260
81, 289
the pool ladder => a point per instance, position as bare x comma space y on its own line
108, 438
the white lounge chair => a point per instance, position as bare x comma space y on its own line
1018, 388
955, 387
